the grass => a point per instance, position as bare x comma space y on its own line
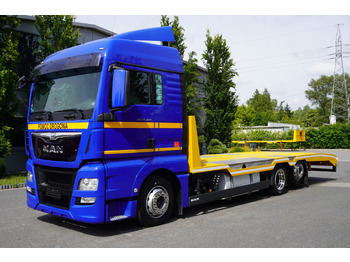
13, 179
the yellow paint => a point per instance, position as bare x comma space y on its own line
129, 151
299, 136
142, 125
129, 124
146, 150
193, 155
278, 157
64, 126
168, 149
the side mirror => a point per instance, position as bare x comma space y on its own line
21, 82
119, 87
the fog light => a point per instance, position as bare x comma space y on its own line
88, 184
30, 190
29, 176
87, 200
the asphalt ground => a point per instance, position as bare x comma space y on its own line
314, 217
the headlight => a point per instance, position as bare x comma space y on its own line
29, 176
88, 184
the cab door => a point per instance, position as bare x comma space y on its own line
132, 132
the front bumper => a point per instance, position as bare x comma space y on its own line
67, 205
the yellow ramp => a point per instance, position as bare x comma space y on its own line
193, 155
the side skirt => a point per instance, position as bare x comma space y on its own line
213, 196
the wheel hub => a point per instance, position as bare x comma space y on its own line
298, 171
157, 202
280, 179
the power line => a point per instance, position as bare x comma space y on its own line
282, 35
281, 64
286, 54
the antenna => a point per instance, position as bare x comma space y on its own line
340, 103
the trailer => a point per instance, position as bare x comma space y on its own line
108, 138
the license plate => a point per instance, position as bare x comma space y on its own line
53, 192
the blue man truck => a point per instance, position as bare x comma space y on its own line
108, 138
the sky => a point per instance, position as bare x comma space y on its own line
279, 52
278, 45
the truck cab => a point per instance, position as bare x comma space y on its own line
103, 117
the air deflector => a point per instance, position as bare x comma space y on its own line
164, 34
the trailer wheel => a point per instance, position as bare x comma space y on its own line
278, 181
156, 202
299, 172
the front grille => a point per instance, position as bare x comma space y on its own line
55, 185
59, 146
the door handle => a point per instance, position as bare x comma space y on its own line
151, 142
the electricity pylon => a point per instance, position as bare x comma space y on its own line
340, 99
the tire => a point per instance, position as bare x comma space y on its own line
278, 181
156, 202
298, 174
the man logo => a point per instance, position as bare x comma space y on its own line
53, 149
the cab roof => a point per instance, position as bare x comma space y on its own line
129, 48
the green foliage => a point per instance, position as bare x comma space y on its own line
13, 179
5, 147
220, 101
216, 147
56, 32
265, 108
8, 59
319, 93
245, 115
8, 81
191, 83
238, 149
201, 141
331, 136
264, 135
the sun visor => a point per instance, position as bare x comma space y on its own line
68, 63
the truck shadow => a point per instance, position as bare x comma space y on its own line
130, 226
101, 230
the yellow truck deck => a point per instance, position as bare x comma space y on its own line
245, 163
248, 162
219, 176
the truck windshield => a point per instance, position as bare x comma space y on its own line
64, 95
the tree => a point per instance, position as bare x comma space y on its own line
220, 101
245, 115
8, 79
190, 67
319, 94
56, 32
265, 107
191, 83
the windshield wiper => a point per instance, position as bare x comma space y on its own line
45, 115
78, 113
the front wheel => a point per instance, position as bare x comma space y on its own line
278, 181
156, 202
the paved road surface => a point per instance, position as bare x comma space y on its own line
317, 216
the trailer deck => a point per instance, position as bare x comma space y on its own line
245, 163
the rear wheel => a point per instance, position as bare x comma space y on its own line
299, 172
278, 180
156, 202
